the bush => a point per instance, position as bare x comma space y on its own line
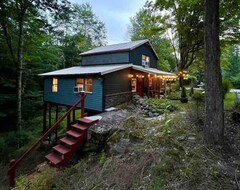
227, 85
175, 86
191, 91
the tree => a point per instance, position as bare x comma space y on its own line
231, 69
184, 21
81, 31
145, 26
214, 121
13, 15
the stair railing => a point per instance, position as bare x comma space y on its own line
14, 163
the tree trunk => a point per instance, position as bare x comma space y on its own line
214, 123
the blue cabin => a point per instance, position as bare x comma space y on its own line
110, 75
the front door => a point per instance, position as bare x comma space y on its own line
140, 86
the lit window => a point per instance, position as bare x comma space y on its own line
134, 84
55, 85
80, 83
88, 85
145, 61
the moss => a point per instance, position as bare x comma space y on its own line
115, 137
136, 134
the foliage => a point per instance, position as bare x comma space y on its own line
191, 91
82, 31
144, 26
198, 97
162, 104
186, 30
231, 69
50, 41
102, 158
40, 181
230, 100
226, 86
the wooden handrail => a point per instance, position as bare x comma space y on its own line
15, 163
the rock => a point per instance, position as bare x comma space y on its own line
150, 114
122, 147
192, 138
181, 138
156, 114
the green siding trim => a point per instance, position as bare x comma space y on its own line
65, 95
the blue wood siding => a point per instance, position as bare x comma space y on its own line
104, 59
66, 96
136, 55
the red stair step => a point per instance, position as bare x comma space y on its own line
53, 158
74, 134
61, 149
86, 121
68, 141
80, 127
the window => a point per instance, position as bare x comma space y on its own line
134, 84
84, 84
80, 83
145, 61
88, 85
55, 85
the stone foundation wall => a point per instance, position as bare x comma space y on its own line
116, 99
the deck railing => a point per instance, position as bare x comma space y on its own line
14, 163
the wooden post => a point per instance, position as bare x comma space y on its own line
12, 173
68, 120
44, 126
73, 115
148, 86
49, 120
56, 118
82, 105
160, 84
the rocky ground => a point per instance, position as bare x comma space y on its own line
132, 149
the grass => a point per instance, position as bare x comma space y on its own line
230, 100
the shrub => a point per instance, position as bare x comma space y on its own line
198, 98
227, 85
175, 86
191, 91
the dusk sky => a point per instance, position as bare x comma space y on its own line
115, 14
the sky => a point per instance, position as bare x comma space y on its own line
116, 16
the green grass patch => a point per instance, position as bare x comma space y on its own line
230, 100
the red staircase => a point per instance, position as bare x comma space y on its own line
68, 145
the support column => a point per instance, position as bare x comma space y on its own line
49, 120
56, 119
148, 85
44, 126
73, 115
68, 120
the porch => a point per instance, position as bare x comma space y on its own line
149, 82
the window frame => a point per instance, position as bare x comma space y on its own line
134, 81
84, 85
146, 59
55, 82
87, 85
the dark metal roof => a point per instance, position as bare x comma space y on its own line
122, 47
